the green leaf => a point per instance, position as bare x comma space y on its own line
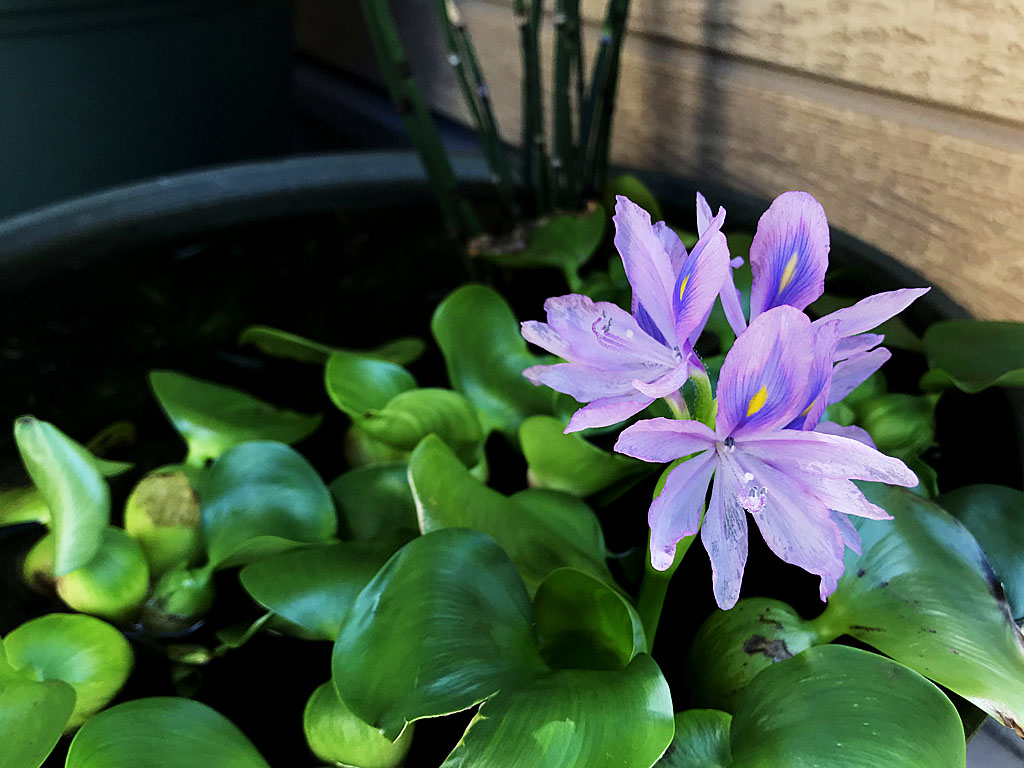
485, 355
565, 242
582, 623
701, 740
86, 653
901, 425
37, 712
732, 647
313, 587
72, 487
573, 719
377, 501
539, 532
263, 497
410, 416
278, 343
212, 417
994, 514
445, 624
568, 462
338, 736
973, 355
839, 706
635, 190
161, 732
162, 514
23, 505
113, 584
358, 384
924, 594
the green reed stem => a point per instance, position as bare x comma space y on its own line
534, 149
597, 120
477, 95
459, 216
654, 587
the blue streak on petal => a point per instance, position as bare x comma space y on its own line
646, 323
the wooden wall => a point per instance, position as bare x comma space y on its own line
905, 118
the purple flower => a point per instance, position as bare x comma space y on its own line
621, 362
789, 480
788, 259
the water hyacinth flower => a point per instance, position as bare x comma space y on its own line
788, 260
789, 480
620, 362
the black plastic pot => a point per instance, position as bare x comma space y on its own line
165, 273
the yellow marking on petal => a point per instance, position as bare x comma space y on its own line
682, 287
789, 271
757, 401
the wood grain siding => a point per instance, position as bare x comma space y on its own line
934, 186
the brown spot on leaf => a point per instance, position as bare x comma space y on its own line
775, 650
863, 628
773, 622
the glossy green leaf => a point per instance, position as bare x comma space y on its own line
568, 462
582, 623
564, 241
546, 531
485, 355
23, 505
358, 384
376, 501
900, 425
162, 514
701, 740
86, 653
973, 355
445, 624
839, 706
278, 343
410, 416
113, 584
72, 487
924, 594
179, 599
338, 736
314, 586
994, 514
32, 717
635, 190
573, 719
162, 732
263, 497
212, 417
732, 647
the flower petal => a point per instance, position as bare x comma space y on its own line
700, 280
853, 432
731, 304
672, 244
584, 382
850, 374
648, 268
600, 334
665, 384
843, 496
764, 376
676, 511
874, 310
851, 536
796, 525
816, 453
607, 411
664, 440
789, 254
703, 214
819, 381
724, 535
852, 345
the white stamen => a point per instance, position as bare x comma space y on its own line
747, 477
